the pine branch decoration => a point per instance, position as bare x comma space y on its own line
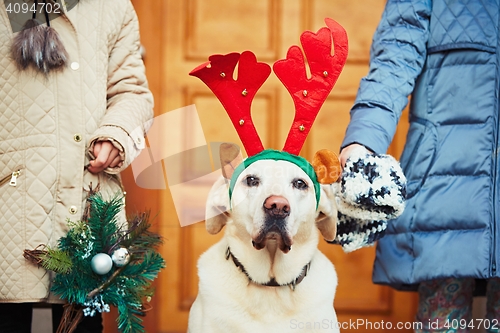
85, 283
52, 260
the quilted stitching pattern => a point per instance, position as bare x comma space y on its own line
94, 80
404, 29
454, 108
36, 134
10, 235
463, 22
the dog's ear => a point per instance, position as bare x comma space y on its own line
327, 218
230, 158
327, 167
216, 213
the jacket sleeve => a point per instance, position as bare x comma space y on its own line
397, 56
129, 101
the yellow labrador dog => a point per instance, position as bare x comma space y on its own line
267, 274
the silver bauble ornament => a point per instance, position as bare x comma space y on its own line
120, 257
101, 263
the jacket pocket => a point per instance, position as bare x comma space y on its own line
418, 154
11, 178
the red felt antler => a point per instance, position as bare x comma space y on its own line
236, 95
309, 94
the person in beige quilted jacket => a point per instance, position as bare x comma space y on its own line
74, 110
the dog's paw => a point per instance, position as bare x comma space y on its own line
372, 187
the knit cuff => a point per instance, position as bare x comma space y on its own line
353, 233
372, 191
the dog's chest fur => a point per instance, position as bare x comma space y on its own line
228, 302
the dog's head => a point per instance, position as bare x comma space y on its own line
271, 199
276, 198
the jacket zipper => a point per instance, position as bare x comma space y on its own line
11, 179
493, 267
493, 270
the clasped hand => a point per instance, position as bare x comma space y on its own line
106, 155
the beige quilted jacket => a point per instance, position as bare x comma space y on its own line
47, 125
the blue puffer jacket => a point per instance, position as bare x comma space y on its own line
446, 54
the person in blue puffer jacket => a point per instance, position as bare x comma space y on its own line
446, 55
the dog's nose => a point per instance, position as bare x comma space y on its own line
277, 206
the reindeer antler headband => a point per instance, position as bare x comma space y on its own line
308, 94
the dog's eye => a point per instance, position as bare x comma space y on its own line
252, 181
300, 184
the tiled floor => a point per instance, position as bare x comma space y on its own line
42, 322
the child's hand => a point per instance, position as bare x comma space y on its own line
106, 155
346, 152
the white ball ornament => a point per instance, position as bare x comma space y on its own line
101, 263
120, 257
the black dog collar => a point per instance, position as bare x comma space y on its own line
272, 282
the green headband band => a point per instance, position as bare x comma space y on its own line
270, 154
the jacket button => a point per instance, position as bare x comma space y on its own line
74, 65
77, 137
73, 210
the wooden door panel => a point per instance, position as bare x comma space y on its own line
223, 26
178, 36
329, 127
194, 243
354, 270
359, 19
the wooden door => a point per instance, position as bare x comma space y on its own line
178, 36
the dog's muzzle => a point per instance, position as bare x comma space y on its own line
277, 210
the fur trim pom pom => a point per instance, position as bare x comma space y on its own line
373, 187
55, 55
28, 45
40, 46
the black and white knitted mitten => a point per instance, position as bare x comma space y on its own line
372, 191
354, 233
